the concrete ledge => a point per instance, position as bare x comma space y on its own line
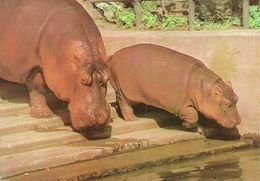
10, 125
13, 164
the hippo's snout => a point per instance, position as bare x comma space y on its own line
84, 122
237, 121
83, 119
231, 123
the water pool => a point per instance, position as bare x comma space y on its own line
231, 166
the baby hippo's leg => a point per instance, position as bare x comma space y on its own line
126, 109
35, 85
190, 117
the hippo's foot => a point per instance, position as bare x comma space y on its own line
188, 125
40, 112
130, 117
190, 118
36, 88
126, 108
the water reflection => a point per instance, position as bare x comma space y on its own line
219, 170
231, 166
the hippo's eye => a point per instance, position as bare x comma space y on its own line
86, 80
227, 103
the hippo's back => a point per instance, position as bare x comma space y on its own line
22, 23
148, 73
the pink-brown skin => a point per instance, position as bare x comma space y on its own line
55, 42
167, 79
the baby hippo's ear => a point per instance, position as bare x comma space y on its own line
217, 93
104, 75
107, 58
230, 84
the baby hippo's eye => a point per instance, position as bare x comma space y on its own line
227, 103
86, 80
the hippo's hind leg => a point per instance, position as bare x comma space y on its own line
190, 117
36, 87
126, 108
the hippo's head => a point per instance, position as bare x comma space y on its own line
88, 106
221, 105
80, 77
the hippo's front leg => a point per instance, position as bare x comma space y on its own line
190, 117
35, 85
126, 109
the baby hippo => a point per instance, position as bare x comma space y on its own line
167, 79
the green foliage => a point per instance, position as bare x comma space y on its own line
201, 25
174, 22
152, 20
254, 21
222, 12
202, 12
149, 20
215, 11
150, 5
124, 18
235, 21
217, 14
210, 15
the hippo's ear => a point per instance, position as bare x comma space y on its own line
107, 58
217, 93
230, 84
103, 72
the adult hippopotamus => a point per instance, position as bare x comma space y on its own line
164, 78
57, 43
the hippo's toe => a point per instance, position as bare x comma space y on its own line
40, 112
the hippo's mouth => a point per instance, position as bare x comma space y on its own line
229, 124
216, 122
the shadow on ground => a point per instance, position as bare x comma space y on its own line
166, 120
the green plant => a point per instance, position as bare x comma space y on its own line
215, 11
254, 21
124, 18
200, 25
174, 22
217, 14
149, 5
235, 21
202, 12
210, 15
149, 20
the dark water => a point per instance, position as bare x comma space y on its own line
232, 166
